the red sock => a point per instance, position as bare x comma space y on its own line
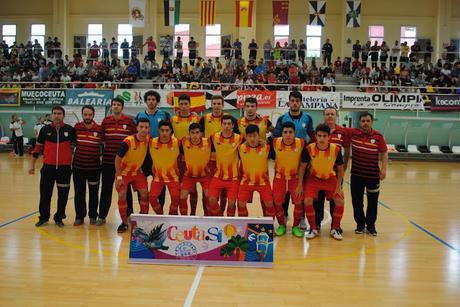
155, 205
183, 207
298, 214
310, 212
338, 213
122, 206
280, 214
223, 201
193, 202
213, 209
242, 210
144, 206
205, 205
231, 210
270, 211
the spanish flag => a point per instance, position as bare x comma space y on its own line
208, 12
197, 100
244, 13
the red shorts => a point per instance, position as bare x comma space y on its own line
138, 182
189, 183
313, 185
218, 185
279, 192
173, 188
246, 191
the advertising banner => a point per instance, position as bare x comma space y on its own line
445, 103
265, 99
9, 97
382, 101
42, 97
190, 240
310, 100
83, 96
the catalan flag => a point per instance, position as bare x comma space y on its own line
197, 100
244, 13
208, 12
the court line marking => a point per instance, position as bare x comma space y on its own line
196, 282
18, 219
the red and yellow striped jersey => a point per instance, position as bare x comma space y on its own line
132, 153
323, 161
261, 122
226, 155
287, 158
180, 124
196, 157
254, 164
164, 158
211, 124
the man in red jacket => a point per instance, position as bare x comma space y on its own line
55, 142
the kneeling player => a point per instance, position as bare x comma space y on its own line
197, 152
322, 158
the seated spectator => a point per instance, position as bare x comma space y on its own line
328, 83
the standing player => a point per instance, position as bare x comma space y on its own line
155, 116
254, 177
164, 151
197, 152
338, 136
288, 150
252, 118
116, 128
368, 147
86, 166
128, 164
226, 178
323, 157
55, 142
303, 130
180, 123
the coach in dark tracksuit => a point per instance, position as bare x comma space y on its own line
55, 142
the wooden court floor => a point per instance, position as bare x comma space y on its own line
414, 261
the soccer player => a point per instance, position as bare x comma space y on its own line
288, 150
180, 124
322, 157
154, 115
369, 147
55, 142
254, 177
116, 128
252, 118
225, 145
340, 137
128, 164
86, 166
165, 151
197, 152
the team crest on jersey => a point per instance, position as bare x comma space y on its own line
124, 126
372, 141
296, 150
304, 125
261, 153
66, 134
95, 133
339, 136
159, 119
329, 158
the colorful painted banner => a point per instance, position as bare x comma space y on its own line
265, 99
190, 240
280, 12
137, 13
310, 100
382, 101
445, 103
9, 97
135, 97
42, 97
94, 97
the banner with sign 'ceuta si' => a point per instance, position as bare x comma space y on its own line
161, 239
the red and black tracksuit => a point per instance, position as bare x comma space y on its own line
55, 142
86, 168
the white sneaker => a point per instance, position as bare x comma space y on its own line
303, 224
336, 234
311, 234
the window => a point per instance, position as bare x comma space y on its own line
38, 33
213, 40
9, 34
313, 41
125, 31
409, 35
94, 33
182, 30
376, 33
281, 34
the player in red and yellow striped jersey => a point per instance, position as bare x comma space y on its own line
164, 151
252, 118
197, 152
323, 157
128, 163
225, 145
254, 168
180, 123
288, 151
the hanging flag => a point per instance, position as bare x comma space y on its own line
172, 12
353, 14
317, 13
137, 13
208, 12
197, 100
244, 13
280, 12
